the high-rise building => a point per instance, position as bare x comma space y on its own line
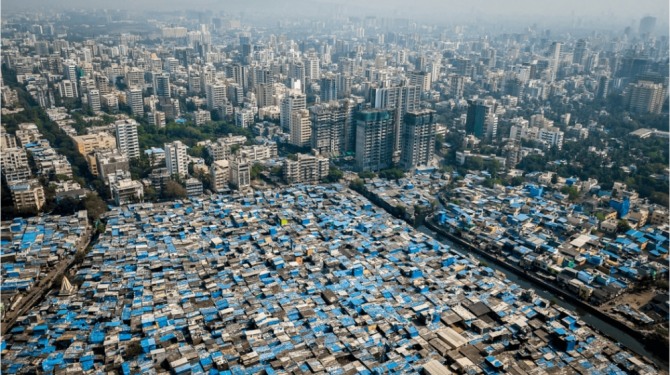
332, 127
456, 86
646, 97
297, 75
554, 57
400, 99
162, 85
126, 138
478, 112
647, 25
312, 68
580, 52
301, 128
265, 95
94, 99
420, 78
67, 89
374, 139
328, 88
216, 96
307, 169
176, 159
291, 102
70, 74
135, 101
418, 138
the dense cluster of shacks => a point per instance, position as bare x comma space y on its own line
31, 247
557, 241
307, 279
412, 193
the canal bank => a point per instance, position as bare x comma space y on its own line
605, 324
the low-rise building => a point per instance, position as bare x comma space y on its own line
305, 169
193, 187
27, 195
220, 173
126, 191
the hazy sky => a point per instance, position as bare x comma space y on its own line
615, 11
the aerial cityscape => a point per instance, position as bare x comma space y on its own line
334, 187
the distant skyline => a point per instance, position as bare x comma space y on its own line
616, 12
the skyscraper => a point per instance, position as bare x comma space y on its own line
478, 111
291, 102
93, 97
70, 73
332, 127
162, 85
301, 128
374, 139
400, 99
646, 97
176, 159
418, 138
135, 101
579, 54
328, 88
647, 25
216, 96
297, 74
126, 138
554, 57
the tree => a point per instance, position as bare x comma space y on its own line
439, 141
366, 174
94, 206
554, 178
622, 226
334, 175
392, 173
256, 170
173, 190
516, 181
357, 185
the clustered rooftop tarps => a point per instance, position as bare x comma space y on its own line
30, 246
542, 233
302, 279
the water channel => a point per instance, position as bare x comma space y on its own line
615, 333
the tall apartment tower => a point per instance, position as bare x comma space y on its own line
301, 128
312, 68
297, 74
328, 88
647, 25
333, 130
216, 96
93, 98
478, 111
126, 138
374, 139
176, 159
399, 99
418, 138
554, 57
646, 97
291, 102
70, 73
162, 85
135, 101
